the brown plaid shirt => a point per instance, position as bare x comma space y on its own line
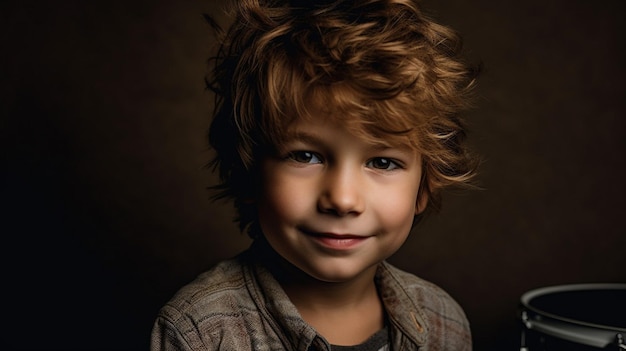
239, 306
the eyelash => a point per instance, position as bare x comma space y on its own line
309, 157
297, 157
388, 161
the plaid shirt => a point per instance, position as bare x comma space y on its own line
239, 306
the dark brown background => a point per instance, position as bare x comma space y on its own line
104, 208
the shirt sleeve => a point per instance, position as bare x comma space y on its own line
166, 337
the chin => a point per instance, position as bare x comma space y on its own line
339, 273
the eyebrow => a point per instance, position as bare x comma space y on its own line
302, 136
375, 144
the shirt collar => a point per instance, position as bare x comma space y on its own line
274, 304
402, 307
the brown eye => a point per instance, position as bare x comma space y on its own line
304, 157
382, 163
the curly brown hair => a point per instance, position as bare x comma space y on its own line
381, 66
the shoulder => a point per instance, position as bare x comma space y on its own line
443, 318
424, 292
205, 311
217, 290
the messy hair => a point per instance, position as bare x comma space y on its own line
379, 66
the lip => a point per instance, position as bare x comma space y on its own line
335, 241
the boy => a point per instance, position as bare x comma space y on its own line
336, 126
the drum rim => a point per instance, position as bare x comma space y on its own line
529, 295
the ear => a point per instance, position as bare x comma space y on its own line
421, 202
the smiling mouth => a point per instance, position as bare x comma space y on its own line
337, 236
336, 241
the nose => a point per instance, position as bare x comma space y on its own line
341, 193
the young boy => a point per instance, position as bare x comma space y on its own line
336, 127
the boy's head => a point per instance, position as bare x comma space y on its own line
378, 67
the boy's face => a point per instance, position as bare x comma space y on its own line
335, 205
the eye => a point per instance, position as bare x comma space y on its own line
383, 163
304, 157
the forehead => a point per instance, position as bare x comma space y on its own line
387, 123
316, 128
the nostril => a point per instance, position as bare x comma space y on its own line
340, 204
340, 190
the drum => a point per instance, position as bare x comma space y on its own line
574, 317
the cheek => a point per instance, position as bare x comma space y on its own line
397, 217
396, 208
282, 201
396, 221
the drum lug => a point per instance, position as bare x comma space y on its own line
523, 334
620, 342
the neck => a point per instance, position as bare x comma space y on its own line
305, 290
346, 313
308, 292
